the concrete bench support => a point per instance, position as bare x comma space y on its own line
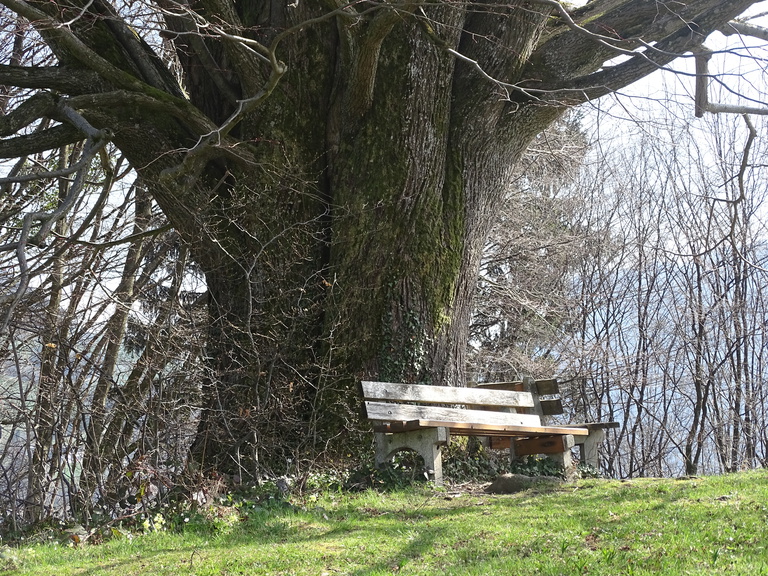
427, 443
589, 453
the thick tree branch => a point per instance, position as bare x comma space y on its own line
196, 121
49, 139
185, 30
246, 54
240, 48
210, 144
63, 79
702, 103
34, 108
674, 33
150, 67
365, 57
65, 40
612, 43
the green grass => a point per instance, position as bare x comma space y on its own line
716, 525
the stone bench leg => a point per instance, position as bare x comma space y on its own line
565, 458
426, 443
589, 453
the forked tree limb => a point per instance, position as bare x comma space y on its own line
701, 96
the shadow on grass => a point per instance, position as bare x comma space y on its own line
429, 532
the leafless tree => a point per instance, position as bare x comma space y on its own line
671, 320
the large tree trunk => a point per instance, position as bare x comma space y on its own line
363, 266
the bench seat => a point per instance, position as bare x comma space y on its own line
470, 429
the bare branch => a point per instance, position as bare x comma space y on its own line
127, 240
65, 39
739, 27
745, 156
99, 137
96, 140
702, 103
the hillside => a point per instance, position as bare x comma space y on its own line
712, 525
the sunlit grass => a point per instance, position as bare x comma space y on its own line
716, 525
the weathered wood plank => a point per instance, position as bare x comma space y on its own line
551, 407
445, 395
548, 387
543, 445
499, 442
494, 430
385, 411
392, 427
500, 436
597, 425
512, 386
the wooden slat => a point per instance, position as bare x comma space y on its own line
597, 425
548, 387
491, 430
391, 427
445, 395
551, 407
385, 412
504, 442
499, 435
543, 445
500, 442
516, 386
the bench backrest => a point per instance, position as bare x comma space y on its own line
388, 402
545, 393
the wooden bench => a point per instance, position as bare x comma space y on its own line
510, 414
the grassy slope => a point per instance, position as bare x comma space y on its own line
715, 525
